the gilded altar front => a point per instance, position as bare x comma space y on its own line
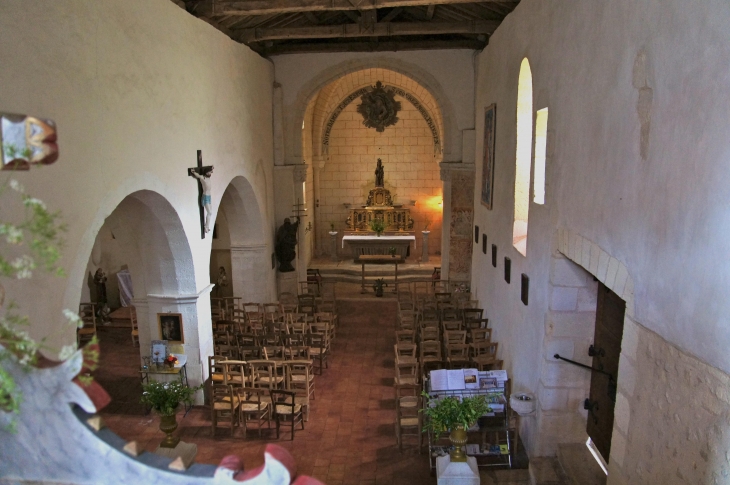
380, 206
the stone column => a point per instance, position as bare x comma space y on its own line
458, 223
197, 329
333, 237
424, 245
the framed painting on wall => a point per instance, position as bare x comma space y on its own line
171, 327
490, 123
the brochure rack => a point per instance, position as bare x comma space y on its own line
490, 440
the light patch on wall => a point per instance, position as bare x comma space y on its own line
304, 193
523, 158
540, 155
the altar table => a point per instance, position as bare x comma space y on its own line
378, 245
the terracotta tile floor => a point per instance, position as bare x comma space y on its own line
350, 436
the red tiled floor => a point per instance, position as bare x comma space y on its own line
350, 436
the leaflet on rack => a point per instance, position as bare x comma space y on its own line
454, 380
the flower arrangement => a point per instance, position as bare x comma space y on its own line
170, 360
378, 286
447, 413
165, 397
378, 226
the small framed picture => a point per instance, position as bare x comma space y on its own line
171, 327
158, 351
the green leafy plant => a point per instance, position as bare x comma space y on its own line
445, 413
378, 286
29, 238
377, 225
165, 397
391, 251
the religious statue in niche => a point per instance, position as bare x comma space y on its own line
379, 108
203, 174
26, 140
379, 174
286, 242
222, 281
102, 308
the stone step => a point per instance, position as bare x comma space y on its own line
579, 465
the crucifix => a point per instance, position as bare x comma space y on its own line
202, 174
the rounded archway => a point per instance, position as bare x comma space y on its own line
239, 244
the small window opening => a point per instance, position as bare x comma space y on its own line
523, 158
540, 154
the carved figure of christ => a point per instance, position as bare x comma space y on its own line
203, 174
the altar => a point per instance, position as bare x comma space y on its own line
371, 245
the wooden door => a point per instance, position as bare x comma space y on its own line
605, 351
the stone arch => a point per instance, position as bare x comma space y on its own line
450, 133
249, 251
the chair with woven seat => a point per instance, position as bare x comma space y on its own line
318, 348
407, 373
234, 373
430, 355
408, 418
300, 379
479, 335
484, 355
472, 317
223, 405
286, 408
457, 356
405, 352
215, 368
405, 336
452, 337
264, 374
329, 319
253, 406
407, 319
429, 334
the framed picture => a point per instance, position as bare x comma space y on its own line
158, 350
171, 327
490, 123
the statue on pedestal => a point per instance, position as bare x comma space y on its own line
286, 243
379, 174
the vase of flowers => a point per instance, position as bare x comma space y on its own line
378, 226
378, 286
170, 361
165, 398
456, 415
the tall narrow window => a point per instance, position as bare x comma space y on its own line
540, 154
523, 158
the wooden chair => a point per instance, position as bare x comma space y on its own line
472, 317
254, 406
405, 336
429, 334
329, 319
297, 352
319, 348
407, 373
215, 368
254, 316
479, 335
87, 312
407, 319
300, 379
288, 301
430, 355
234, 373
227, 351
457, 356
408, 418
405, 353
287, 408
484, 355
464, 304
265, 375
223, 405
135, 326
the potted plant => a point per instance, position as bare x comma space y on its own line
454, 414
391, 251
165, 398
378, 286
378, 226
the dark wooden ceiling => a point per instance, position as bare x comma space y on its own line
272, 27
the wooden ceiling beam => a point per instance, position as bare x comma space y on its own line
263, 7
381, 46
384, 29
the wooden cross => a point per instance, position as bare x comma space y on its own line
200, 170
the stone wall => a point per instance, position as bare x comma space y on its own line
461, 225
411, 171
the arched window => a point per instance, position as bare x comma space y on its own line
523, 158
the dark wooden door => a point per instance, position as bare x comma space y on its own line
606, 350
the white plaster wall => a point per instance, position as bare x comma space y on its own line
663, 217
135, 87
447, 74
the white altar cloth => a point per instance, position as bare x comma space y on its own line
376, 238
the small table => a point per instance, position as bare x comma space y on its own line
378, 259
180, 369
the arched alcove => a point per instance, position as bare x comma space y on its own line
345, 153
